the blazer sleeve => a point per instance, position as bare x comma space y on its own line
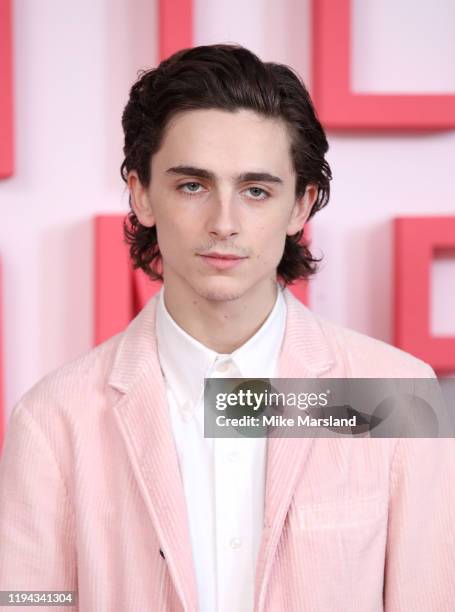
37, 541
420, 550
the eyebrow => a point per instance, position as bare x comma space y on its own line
265, 177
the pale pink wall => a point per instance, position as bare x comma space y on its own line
74, 65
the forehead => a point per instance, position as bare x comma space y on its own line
226, 142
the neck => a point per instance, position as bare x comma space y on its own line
221, 325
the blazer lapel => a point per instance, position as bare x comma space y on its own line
143, 419
306, 353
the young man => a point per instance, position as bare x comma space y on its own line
107, 484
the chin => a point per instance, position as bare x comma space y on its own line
220, 290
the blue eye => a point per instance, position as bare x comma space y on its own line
256, 189
191, 191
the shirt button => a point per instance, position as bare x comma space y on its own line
235, 543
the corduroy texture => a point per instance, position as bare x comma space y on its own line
90, 490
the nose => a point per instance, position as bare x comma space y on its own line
223, 220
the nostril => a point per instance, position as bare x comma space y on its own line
162, 554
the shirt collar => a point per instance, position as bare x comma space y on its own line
185, 361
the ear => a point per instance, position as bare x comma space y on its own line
302, 209
140, 200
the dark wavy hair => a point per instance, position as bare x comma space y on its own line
226, 77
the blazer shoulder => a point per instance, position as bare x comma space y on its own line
366, 356
77, 379
67, 404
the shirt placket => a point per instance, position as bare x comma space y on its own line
235, 567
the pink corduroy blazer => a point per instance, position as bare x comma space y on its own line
90, 490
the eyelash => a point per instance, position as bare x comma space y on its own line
193, 193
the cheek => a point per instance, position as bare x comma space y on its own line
175, 242
274, 223
270, 244
171, 231
271, 234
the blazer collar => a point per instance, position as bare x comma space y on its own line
306, 351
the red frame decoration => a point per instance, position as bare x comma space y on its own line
6, 90
338, 107
175, 22
119, 292
416, 242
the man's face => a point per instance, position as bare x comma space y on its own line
221, 182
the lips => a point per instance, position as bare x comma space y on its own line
221, 256
222, 261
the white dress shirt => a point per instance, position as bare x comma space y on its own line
223, 478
